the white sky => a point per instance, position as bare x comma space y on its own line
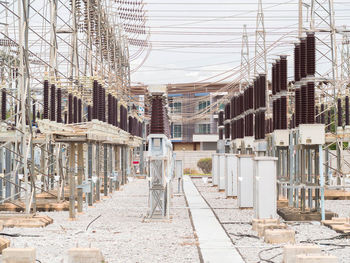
194, 40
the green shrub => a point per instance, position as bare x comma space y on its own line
205, 165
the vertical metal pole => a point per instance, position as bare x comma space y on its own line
320, 156
98, 172
105, 179
72, 181
8, 171
80, 176
291, 170
90, 173
309, 176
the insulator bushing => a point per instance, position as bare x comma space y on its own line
310, 54
221, 134
46, 99
227, 111
317, 115
322, 114
303, 107
75, 109
3, 104
100, 102
346, 110
59, 106
283, 73
340, 114
232, 108
53, 103
89, 112
109, 99
310, 102
227, 131
95, 95
278, 114
297, 62
33, 111
297, 108
79, 111
274, 115
70, 108
130, 130
262, 78
116, 112
251, 97
278, 76
273, 78
329, 121
283, 113
262, 125
256, 94
65, 117
221, 118
303, 58
103, 99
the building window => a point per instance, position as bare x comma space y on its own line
204, 128
203, 104
175, 107
177, 131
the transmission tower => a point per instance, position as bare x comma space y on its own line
245, 64
345, 58
260, 65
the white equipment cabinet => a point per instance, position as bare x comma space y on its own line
231, 175
245, 180
265, 192
214, 173
221, 171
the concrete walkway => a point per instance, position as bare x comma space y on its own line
214, 243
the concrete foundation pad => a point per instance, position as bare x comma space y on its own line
256, 221
85, 255
19, 255
316, 259
261, 228
295, 214
278, 236
290, 252
344, 228
4, 243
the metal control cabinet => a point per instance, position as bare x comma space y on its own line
214, 172
231, 175
221, 171
265, 188
245, 180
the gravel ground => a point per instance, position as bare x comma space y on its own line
235, 221
121, 232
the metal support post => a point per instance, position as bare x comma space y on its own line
105, 170
72, 181
80, 176
90, 173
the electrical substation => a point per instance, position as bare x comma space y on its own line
174, 131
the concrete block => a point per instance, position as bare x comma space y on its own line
277, 236
262, 227
256, 221
291, 251
19, 255
85, 255
4, 243
316, 259
340, 219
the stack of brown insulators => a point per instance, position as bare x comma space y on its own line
273, 78
221, 123
95, 95
130, 126
59, 106
310, 54
33, 113
75, 109
346, 110
297, 63
311, 102
100, 102
297, 109
46, 99
70, 108
79, 111
303, 58
317, 115
53, 103
340, 114
89, 113
103, 99
262, 90
329, 121
303, 104
116, 112
158, 116
227, 117
109, 119
3, 104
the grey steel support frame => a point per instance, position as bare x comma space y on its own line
105, 170
72, 181
97, 185
80, 176
90, 172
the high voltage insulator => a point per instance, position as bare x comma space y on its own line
303, 58
303, 94
322, 114
34, 110
70, 108
311, 54
3, 104
329, 120
297, 62
311, 102
273, 78
89, 113
95, 100
109, 100
283, 125
79, 111
75, 109
46, 99
278, 114
277, 76
283, 73
340, 114
59, 105
297, 109
53, 103
116, 112
262, 78
317, 115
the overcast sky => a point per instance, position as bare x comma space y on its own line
195, 40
